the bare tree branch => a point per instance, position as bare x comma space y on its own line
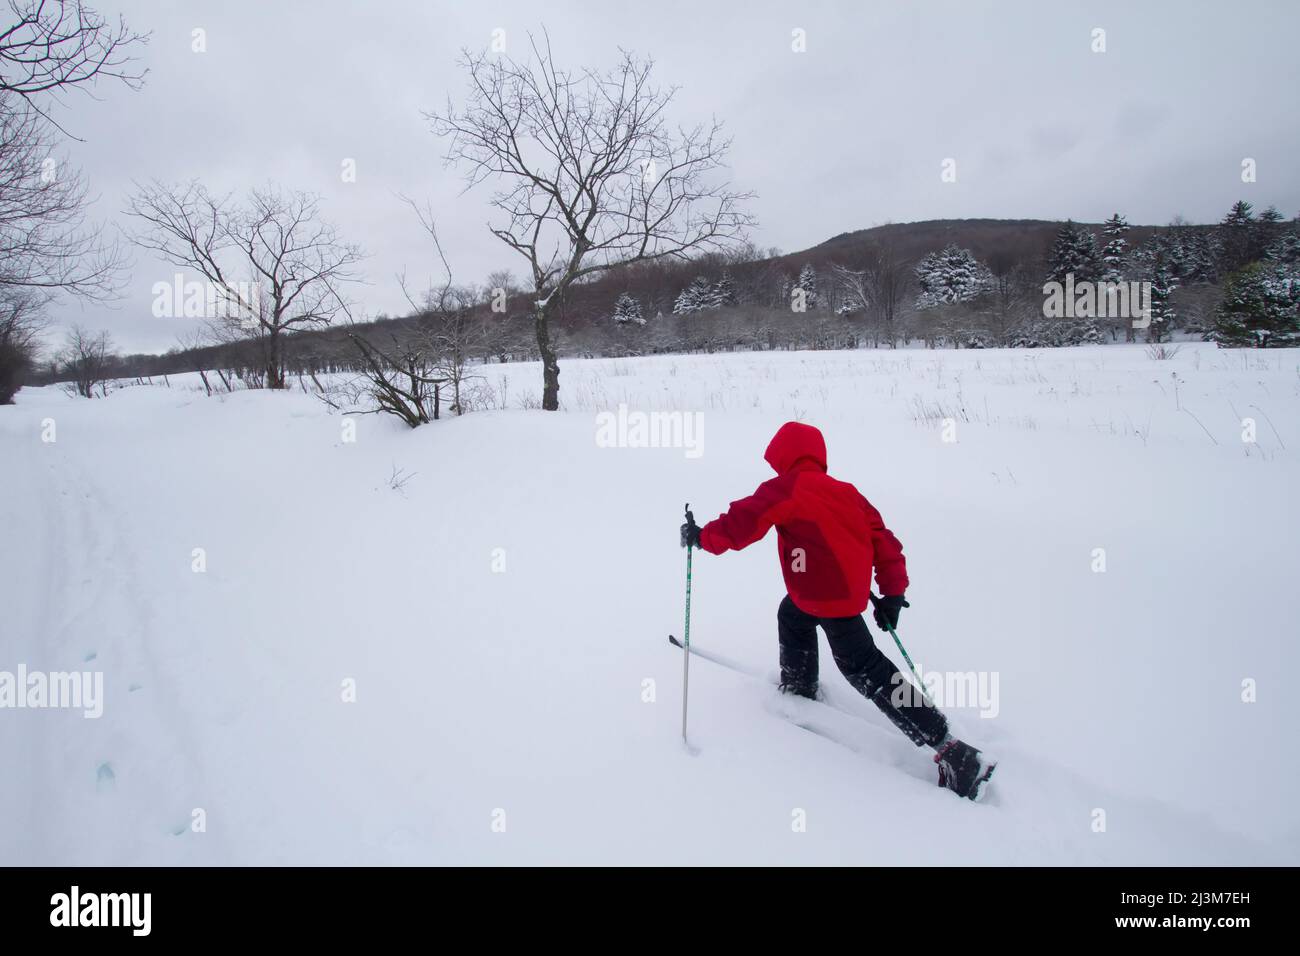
46, 246
56, 45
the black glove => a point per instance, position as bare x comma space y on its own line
690, 531
887, 611
690, 534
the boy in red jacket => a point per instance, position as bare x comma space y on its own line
830, 540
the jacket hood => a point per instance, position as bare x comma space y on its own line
795, 442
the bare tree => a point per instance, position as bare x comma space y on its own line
21, 323
49, 47
461, 333
86, 358
589, 174
454, 326
502, 282
889, 279
879, 288
851, 287
189, 349
401, 374
1012, 301
45, 245
272, 266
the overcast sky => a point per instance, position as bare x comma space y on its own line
849, 134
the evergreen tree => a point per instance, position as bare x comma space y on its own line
1115, 253
1285, 248
720, 294
1261, 307
1197, 254
685, 303
693, 298
1242, 213
1186, 253
1239, 238
1268, 229
1114, 268
1162, 309
950, 277
724, 291
807, 281
1074, 253
627, 309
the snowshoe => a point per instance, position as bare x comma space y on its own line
963, 769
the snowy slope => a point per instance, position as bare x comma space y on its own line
481, 689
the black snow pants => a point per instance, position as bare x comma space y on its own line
868, 670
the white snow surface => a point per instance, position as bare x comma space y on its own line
501, 712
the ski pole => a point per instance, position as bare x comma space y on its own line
686, 635
920, 684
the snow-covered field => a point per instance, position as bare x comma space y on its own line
503, 617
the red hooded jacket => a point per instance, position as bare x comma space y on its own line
828, 535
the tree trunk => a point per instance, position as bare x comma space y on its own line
550, 362
274, 371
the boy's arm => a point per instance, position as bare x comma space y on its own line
891, 566
746, 521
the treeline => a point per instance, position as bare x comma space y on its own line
243, 362
1235, 282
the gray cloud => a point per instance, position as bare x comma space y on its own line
849, 134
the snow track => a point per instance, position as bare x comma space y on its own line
101, 778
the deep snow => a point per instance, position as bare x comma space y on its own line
502, 611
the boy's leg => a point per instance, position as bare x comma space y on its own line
798, 634
872, 675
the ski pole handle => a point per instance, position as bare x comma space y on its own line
688, 528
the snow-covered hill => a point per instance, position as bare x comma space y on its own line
503, 617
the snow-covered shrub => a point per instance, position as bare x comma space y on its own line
1261, 307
